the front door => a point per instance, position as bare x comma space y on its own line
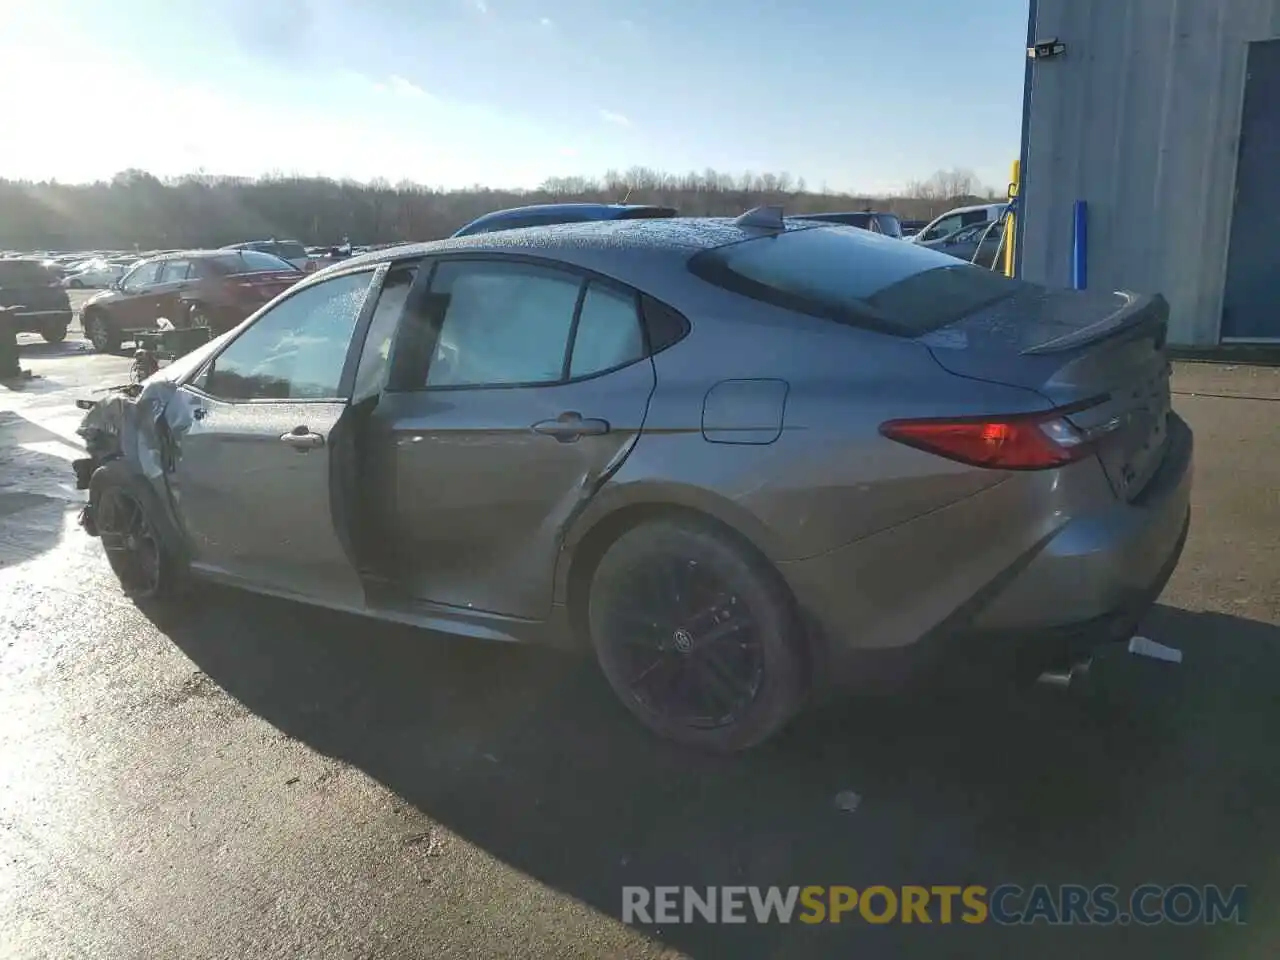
533, 387
1252, 291
136, 305
252, 483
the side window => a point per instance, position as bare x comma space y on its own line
974, 217
944, 227
173, 271
296, 350
608, 333
141, 276
503, 323
375, 357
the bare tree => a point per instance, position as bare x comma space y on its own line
136, 210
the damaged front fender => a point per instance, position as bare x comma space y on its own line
143, 426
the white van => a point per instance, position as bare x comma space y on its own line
958, 219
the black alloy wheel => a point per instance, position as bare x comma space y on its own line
134, 548
689, 643
696, 634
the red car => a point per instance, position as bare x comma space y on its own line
193, 288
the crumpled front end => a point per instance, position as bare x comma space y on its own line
139, 424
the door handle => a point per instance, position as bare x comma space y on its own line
302, 439
570, 426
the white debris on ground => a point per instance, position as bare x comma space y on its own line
1146, 647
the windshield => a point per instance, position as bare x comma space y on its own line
855, 277
890, 225
249, 261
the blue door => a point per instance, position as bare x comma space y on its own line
1251, 300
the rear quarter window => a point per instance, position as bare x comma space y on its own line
855, 277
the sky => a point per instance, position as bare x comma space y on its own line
861, 96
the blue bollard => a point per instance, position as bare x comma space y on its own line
1080, 246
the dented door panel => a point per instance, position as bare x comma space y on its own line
482, 483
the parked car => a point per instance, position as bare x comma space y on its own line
886, 223
978, 244
957, 219
94, 274
736, 459
911, 227
33, 287
545, 214
289, 250
196, 288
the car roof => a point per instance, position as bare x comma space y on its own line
973, 207
641, 253
579, 211
199, 254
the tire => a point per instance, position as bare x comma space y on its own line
54, 332
666, 596
76, 285
101, 333
137, 539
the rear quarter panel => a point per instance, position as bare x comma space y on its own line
829, 477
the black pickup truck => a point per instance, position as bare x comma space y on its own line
42, 303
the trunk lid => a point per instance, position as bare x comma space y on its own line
1106, 350
261, 286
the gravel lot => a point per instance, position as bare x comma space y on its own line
253, 778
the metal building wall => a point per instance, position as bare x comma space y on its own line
1140, 117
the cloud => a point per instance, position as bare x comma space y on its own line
480, 6
546, 22
406, 88
610, 116
569, 152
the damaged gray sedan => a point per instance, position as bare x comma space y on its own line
737, 459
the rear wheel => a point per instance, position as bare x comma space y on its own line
101, 334
54, 332
76, 284
697, 635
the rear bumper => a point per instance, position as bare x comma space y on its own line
1090, 581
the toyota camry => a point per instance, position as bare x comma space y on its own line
737, 460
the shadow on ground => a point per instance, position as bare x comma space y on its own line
1160, 774
36, 489
40, 350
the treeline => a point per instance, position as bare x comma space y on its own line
137, 210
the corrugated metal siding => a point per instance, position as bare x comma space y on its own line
1141, 117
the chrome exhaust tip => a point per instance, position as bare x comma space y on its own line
1064, 677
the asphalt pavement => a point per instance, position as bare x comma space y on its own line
250, 778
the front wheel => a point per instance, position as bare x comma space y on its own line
76, 284
54, 332
101, 334
697, 635
141, 556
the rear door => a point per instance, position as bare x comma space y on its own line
253, 475
515, 390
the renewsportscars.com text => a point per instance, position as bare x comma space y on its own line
1005, 904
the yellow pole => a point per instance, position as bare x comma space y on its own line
1010, 222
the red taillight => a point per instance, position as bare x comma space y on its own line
1021, 442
